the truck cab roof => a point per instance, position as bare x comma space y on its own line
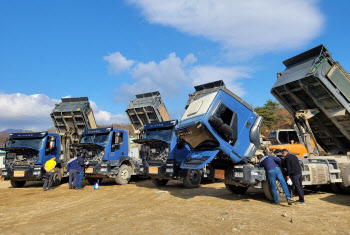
97, 131
30, 135
165, 124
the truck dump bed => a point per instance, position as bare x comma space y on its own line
314, 80
70, 118
146, 108
73, 115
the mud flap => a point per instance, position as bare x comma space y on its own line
198, 159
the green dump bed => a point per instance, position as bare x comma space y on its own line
146, 108
314, 80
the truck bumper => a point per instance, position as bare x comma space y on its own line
243, 175
101, 171
23, 174
167, 170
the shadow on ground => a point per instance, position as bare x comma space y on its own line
177, 189
339, 199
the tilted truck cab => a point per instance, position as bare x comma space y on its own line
26, 155
223, 134
162, 154
108, 155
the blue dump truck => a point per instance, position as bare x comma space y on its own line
162, 154
27, 153
108, 155
108, 151
222, 132
160, 151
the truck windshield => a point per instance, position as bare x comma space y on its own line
30, 143
101, 139
165, 134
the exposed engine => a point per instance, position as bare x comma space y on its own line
21, 158
94, 155
154, 152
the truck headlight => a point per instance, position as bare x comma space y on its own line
103, 169
36, 172
4, 173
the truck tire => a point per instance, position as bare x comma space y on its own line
311, 187
344, 186
335, 188
159, 182
57, 177
280, 193
236, 189
17, 184
124, 175
192, 178
92, 181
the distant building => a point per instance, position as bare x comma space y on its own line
2, 156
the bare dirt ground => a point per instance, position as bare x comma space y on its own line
137, 209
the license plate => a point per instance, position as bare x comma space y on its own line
89, 170
219, 174
153, 170
18, 174
239, 174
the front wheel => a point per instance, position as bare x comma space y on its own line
280, 192
345, 176
57, 177
159, 182
192, 178
236, 189
92, 181
124, 175
17, 184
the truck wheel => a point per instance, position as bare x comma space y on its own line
17, 184
124, 175
236, 189
311, 187
335, 188
159, 182
92, 181
192, 178
280, 193
345, 176
57, 177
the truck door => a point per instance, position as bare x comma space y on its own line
118, 147
181, 149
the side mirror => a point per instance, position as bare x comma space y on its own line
115, 146
52, 144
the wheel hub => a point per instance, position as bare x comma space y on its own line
124, 174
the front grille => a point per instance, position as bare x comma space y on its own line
155, 162
194, 162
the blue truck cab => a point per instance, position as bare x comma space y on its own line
223, 133
162, 154
108, 155
26, 155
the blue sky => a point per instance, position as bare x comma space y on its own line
112, 50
